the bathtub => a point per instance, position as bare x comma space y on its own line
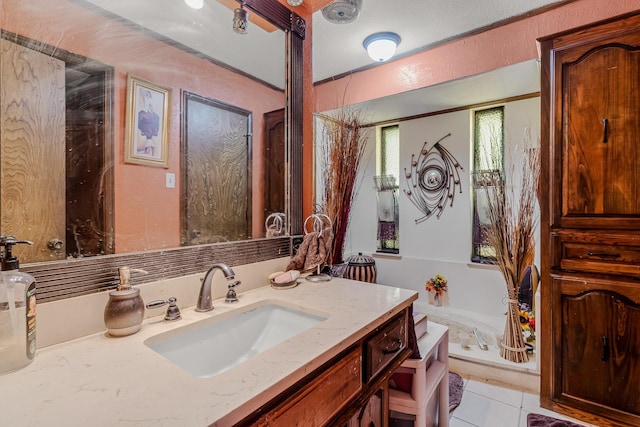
465, 355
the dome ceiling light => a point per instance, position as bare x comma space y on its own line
294, 2
381, 46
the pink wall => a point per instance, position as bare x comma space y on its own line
147, 215
496, 48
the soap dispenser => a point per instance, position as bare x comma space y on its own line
17, 310
124, 311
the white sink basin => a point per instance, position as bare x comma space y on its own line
218, 343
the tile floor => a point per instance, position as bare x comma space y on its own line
490, 404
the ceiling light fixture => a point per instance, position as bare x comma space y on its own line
342, 11
294, 2
196, 4
240, 20
381, 46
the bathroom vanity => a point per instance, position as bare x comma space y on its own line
350, 390
333, 373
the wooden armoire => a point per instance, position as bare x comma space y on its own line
590, 222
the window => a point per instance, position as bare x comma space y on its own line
388, 167
488, 158
389, 150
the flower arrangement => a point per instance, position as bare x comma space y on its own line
437, 284
528, 325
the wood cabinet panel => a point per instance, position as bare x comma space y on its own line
600, 100
322, 398
372, 413
590, 222
601, 332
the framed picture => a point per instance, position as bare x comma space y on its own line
147, 136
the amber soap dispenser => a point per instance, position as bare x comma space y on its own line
124, 311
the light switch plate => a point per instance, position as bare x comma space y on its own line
171, 180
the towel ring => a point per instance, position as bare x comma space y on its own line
318, 222
275, 223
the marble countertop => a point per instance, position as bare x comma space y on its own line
99, 381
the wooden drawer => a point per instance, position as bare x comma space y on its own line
321, 399
598, 252
383, 347
607, 259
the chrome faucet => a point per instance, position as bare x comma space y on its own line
204, 299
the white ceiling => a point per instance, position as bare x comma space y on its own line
210, 31
337, 48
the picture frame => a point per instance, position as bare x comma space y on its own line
147, 123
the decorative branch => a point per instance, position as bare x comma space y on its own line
512, 222
343, 144
433, 179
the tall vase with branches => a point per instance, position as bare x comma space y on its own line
344, 140
510, 208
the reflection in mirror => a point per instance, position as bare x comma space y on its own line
54, 116
275, 171
80, 53
216, 172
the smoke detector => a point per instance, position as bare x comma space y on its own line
342, 11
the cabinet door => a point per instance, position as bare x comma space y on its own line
274, 162
601, 349
32, 131
372, 413
217, 151
601, 132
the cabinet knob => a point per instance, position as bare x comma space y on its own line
605, 349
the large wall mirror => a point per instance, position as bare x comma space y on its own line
75, 178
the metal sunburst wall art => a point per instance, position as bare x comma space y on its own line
433, 179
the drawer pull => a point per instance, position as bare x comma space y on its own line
605, 349
605, 131
394, 350
603, 255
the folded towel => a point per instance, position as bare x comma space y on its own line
313, 252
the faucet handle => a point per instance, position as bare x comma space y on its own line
231, 293
173, 312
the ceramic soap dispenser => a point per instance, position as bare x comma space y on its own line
124, 311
